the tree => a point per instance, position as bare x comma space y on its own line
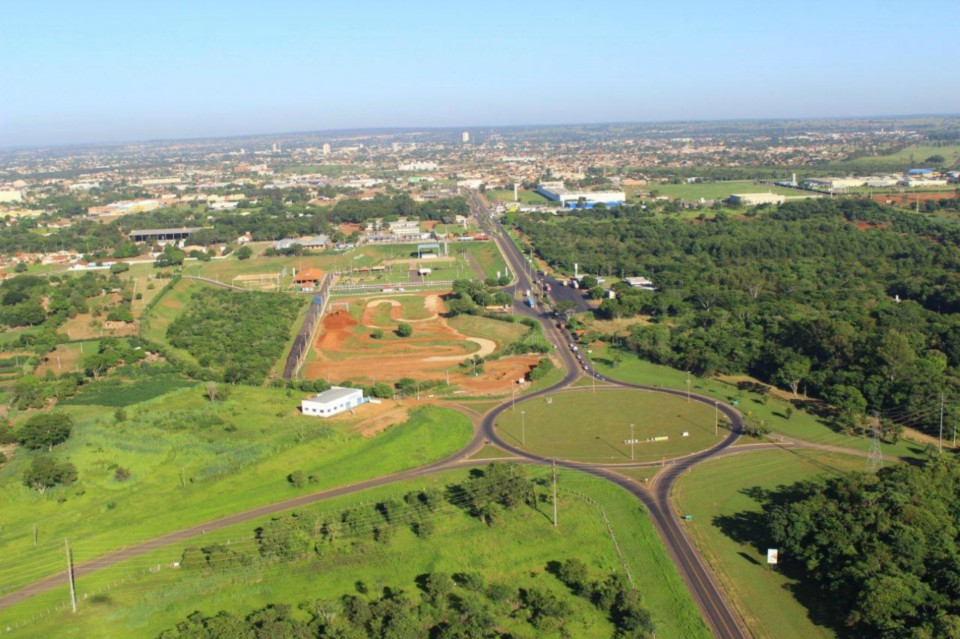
793, 371
45, 430
211, 390
404, 329
45, 472
850, 408
297, 479
244, 253
119, 267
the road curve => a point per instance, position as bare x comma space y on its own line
714, 606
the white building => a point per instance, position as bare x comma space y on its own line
753, 199
465, 136
640, 282
557, 192
332, 402
419, 165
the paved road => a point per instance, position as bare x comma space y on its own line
711, 601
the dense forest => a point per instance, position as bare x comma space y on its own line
837, 298
880, 550
271, 219
239, 336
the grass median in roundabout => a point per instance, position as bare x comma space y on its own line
590, 426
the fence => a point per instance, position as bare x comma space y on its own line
301, 344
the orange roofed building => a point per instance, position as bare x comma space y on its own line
308, 277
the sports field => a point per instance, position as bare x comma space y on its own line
589, 426
524, 196
721, 496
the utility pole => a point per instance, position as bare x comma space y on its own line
523, 427
73, 590
688, 386
555, 493
632, 442
940, 445
716, 419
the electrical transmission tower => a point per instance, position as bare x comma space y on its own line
875, 460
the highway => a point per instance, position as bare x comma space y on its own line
714, 606
716, 610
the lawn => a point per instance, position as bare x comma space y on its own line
191, 461
524, 196
771, 410
485, 254
589, 426
719, 190
150, 596
715, 493
503, 333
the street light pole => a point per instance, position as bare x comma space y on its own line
716, 418
632, 441
523, 427
688, 386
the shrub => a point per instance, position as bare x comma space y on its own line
297, 479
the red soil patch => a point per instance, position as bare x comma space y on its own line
345, 352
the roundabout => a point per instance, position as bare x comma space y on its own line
611, 426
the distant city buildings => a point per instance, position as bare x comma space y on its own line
465, 137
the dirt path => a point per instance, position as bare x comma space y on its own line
486, 348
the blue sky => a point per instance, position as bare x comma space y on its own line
95, 71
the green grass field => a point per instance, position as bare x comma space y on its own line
913, 155
771, 410
144, 596
716, 190
168, 307
524, 196
595, 426
190, 462
502, 333
717, 493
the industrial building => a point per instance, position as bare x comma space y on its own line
754, 199
163, 235
316, 241
557, 192
332, 402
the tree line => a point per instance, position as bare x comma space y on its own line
880, 551
841, 299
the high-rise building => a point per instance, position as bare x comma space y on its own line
326, 149
395, 146
276, 147
465, 136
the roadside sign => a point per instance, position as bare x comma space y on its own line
773, 556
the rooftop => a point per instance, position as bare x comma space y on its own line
335, 393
